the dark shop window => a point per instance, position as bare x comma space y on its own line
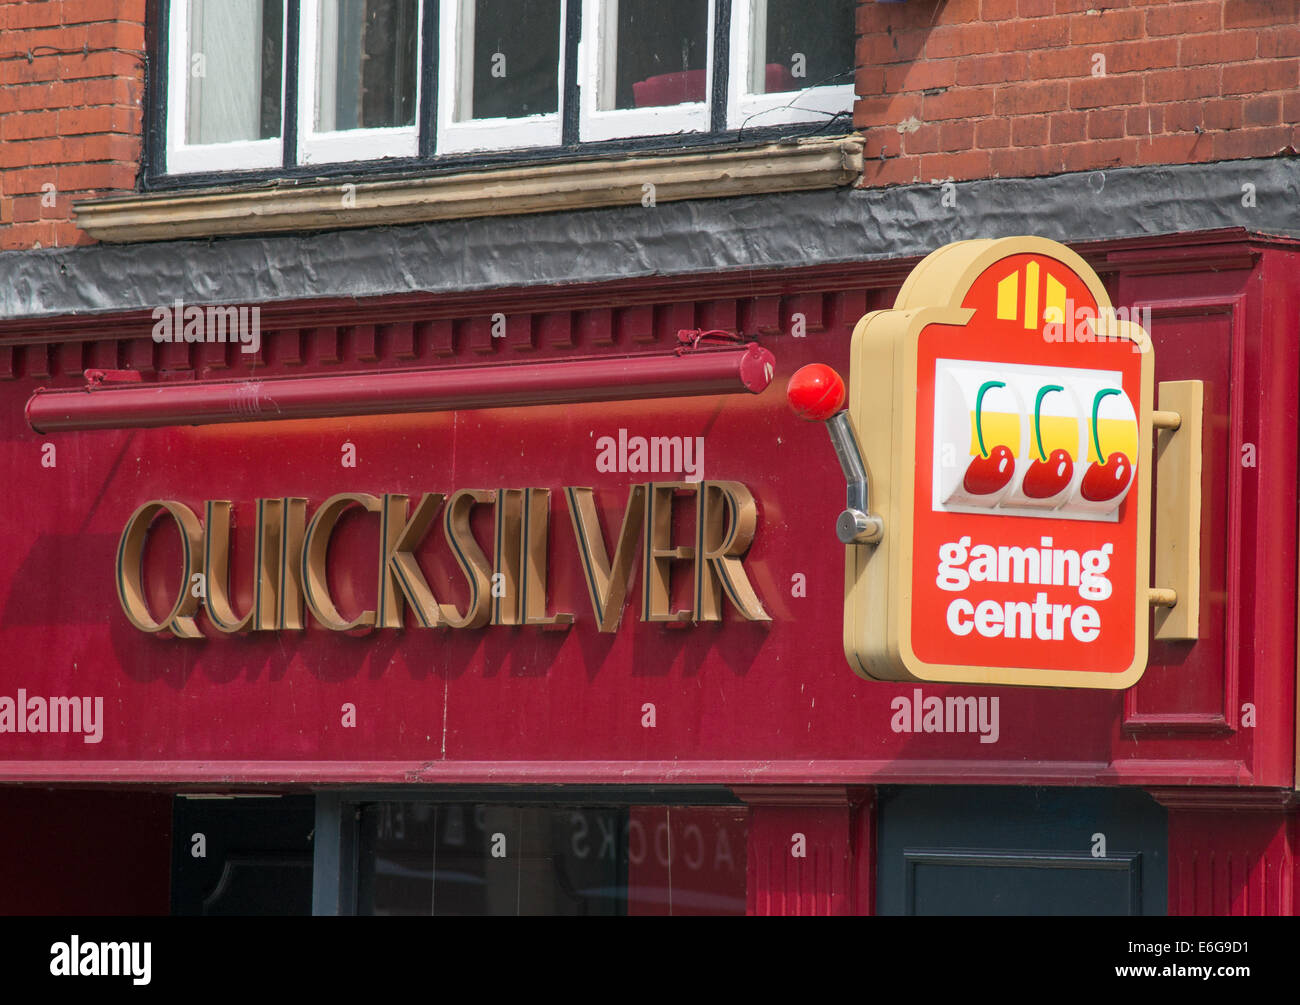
471, 859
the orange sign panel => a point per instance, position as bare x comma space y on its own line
1004, 410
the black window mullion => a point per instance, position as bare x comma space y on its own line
572, 86
721, 64
428, 122
292, 31
157, 76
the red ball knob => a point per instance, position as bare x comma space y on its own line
815, 392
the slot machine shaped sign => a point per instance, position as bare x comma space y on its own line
1005, 419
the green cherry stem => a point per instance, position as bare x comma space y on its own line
1096, 408
979, 410
1038, 405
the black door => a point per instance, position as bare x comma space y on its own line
976, 850
242, 856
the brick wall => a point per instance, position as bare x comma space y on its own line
70, 116
1013, 88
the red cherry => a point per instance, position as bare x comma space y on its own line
815, 392
1102, 482
1045, 479
990, 474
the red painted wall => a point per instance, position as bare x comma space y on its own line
736, 702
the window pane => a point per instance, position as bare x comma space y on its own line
513, 67
366, 69
467, 859
656, 53
801, 43
236, 50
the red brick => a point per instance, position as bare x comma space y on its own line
961, 40
895, 171
1278, 42
1023, 162
1105, 123
1035, 33
109, 147
1036, 96
1180, 148
1058, 64
1258, 76
32, 15
1257, 15
997, 10
83, 11
29, 125
923, 140
1036, 8
961, 11
888, 109
1291, 107
1029, 131
1069, 127
1263, 111
1181, 85
1220, 47
897, 47
1144, 120
959, 103
26, 209
1184, 18
1104, 92
1148, 54
93, 177
992, 133
997, 69
1263, 142
877, 17
920, 76
959, 167
1108, 26
957, 135
1099, 154
1222, 113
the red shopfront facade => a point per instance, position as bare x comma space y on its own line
688, 763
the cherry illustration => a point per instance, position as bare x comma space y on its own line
1103, 482
990, 474
1048, 475
992, 470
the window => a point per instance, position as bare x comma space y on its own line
264, 84
220, 112
474, 859
360, 71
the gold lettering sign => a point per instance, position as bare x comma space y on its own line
291, 560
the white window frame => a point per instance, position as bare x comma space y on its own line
754, 111
187, 158
347, 144
596, 67
456, 74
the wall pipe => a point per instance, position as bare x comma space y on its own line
106, 404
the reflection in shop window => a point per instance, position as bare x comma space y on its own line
482, 859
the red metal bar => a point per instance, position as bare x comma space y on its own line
105, 405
